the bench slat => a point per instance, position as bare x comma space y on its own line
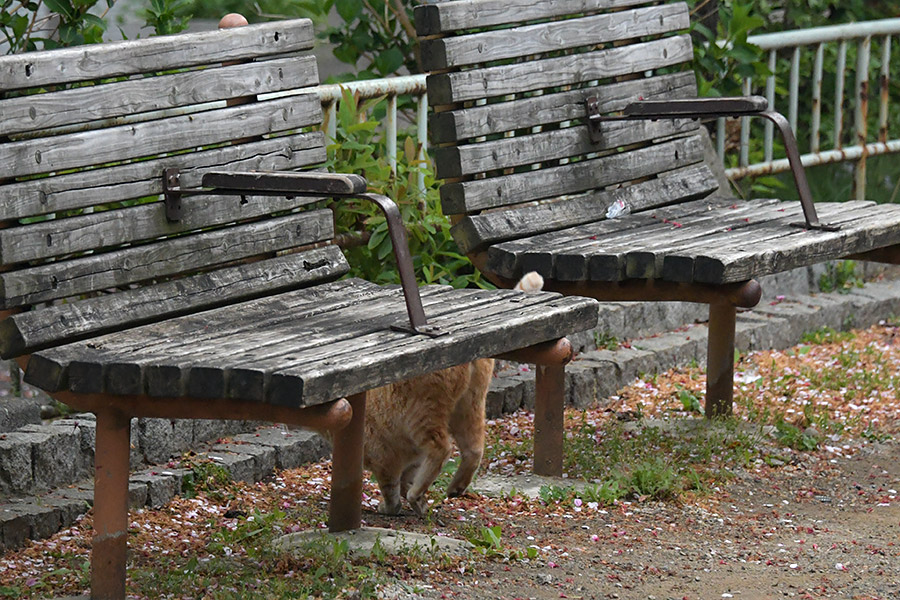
499, 117
647, 261
206, 370
507, 258
59, 237
107, 101
371, 355
161, 259
445, 17
485, 47
171, 335
82, 63
601, 256
551, 145
28, 332
449, 88
526, 324
573, 178
144, 178
867, 228
477, 231
75, 150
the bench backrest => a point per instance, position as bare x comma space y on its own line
85, 136
509, 85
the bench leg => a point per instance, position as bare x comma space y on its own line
720, 360
549, 402
109, 545
345, 511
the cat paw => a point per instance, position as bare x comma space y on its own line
389, 509
419, 505
456, 491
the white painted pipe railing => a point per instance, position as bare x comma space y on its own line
862, 36
390, 88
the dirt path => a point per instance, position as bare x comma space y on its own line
819, 528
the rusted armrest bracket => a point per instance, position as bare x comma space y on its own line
704, 108
335, 185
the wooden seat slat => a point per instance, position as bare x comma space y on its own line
460, 86
484, 336
177, 337
548, 109
163, 53
752, 235
31, 331
130, 97
504, 258
160, 259
366, 354
610, 242
433, 19
115, 144
530, 40
105, 185
859, 233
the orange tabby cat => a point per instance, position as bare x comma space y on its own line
409, 425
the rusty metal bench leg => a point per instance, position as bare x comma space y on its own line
549, 402
720, 360
110, 505
345, 511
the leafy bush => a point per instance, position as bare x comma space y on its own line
48, 24
359, 148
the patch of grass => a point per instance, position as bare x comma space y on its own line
827, 335
488, 542
605, 341
840, 276
794, 437
206, 476
652, 462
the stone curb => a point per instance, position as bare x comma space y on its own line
61, 452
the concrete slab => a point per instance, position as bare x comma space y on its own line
363, 541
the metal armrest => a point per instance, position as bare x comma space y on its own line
703, 108
311, 183
335, 185
696, 108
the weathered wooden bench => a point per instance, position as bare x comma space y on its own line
164, 254
548, 113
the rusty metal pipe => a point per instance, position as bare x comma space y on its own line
720, 360
554, 352
345, 508
110, 541
744, 294
330, 416
549, 402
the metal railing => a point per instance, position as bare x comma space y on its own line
391, 88
861, 36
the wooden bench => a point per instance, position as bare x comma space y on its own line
164, 254
547, 113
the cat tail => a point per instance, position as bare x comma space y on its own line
530, 282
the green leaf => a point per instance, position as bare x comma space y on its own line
62, 7
389, 61
348, 9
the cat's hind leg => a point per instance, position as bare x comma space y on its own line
435, 451
390, 493
467, 425
469, 438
